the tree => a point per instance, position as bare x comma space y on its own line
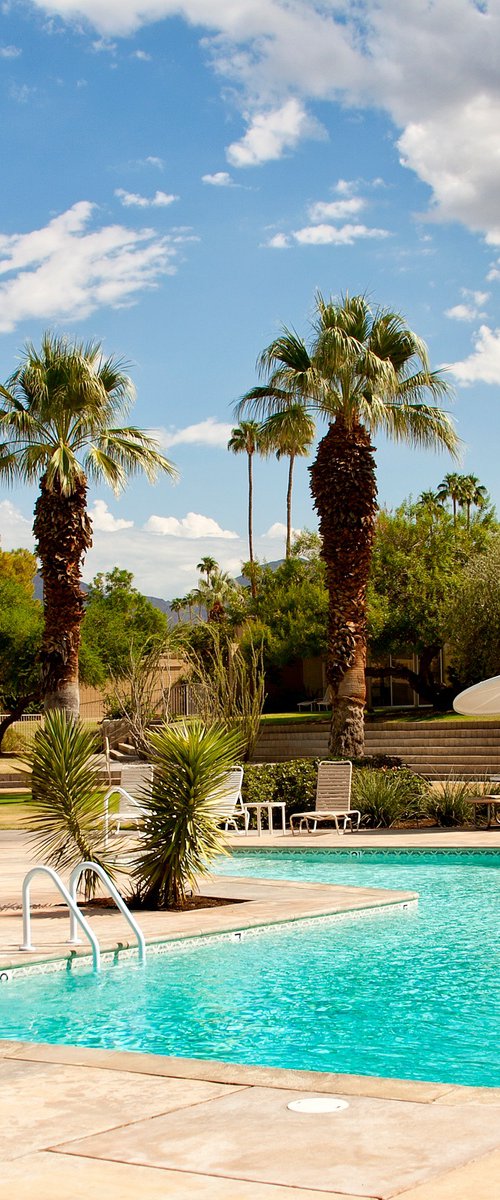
473, 494
21, 622
57, 426
290, 433
474, 618
207, 566
365, 371
218, 594
451, 488
246, 439
118, 622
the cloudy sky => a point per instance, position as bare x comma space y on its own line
180, 176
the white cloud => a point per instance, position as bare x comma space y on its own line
280, 241
152, 160
336, 210
10, 51
462, 312
15, 530
343, 235
209, 432
103, 520
483, 365
278, 531
133, 200
219, 179
21, 92
66, 271
104, 46
271, 133
193, 525
433, 67
142, 55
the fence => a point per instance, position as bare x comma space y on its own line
179, 701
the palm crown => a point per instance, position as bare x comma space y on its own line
59, 420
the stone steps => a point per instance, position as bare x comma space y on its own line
437, 749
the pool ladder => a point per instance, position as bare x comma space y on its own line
77, 918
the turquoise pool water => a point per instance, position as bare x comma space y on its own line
411, 994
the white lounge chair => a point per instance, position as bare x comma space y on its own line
136, 779
333, 800
227, 802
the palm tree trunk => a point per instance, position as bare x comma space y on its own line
289, 508
344, 493
250, 527
63, 534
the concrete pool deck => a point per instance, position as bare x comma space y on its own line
120, 1125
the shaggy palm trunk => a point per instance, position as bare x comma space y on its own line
344, 493
63, 534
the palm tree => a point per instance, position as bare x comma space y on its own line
207, 566
365, 371
246, 439
451, 488
57, 428
473, 493
290, 433
430, 503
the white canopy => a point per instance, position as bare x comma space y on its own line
483, 699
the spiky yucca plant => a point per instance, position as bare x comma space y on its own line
181, 834
66, 807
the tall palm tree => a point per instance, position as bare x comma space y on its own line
365, 371
452, 488
246, 439
473, 493
58, 428
289, 433
207, 566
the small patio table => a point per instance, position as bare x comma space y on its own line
269, 805
491, 803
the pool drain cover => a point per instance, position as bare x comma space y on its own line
318, 1104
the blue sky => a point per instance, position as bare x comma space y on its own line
180, 177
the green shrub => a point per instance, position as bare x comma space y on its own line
181, 832
387, 796
65, 812
448, 805
292, 782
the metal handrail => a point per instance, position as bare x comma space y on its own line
74, 880
76, 916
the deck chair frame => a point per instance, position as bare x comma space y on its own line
139, 778
333, 800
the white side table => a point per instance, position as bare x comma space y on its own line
269, 805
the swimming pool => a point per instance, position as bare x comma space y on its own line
410, 994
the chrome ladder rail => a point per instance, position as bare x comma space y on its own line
77, 917
74, 880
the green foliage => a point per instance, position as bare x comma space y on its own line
66, 806
292, 607
118, 622
20, 566
228, 682
448, 805
474, 617
181, 835
417, 564
293, 783
386, 797
21, 621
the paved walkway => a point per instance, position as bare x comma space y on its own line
114, 1125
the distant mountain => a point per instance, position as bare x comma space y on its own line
163, 605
